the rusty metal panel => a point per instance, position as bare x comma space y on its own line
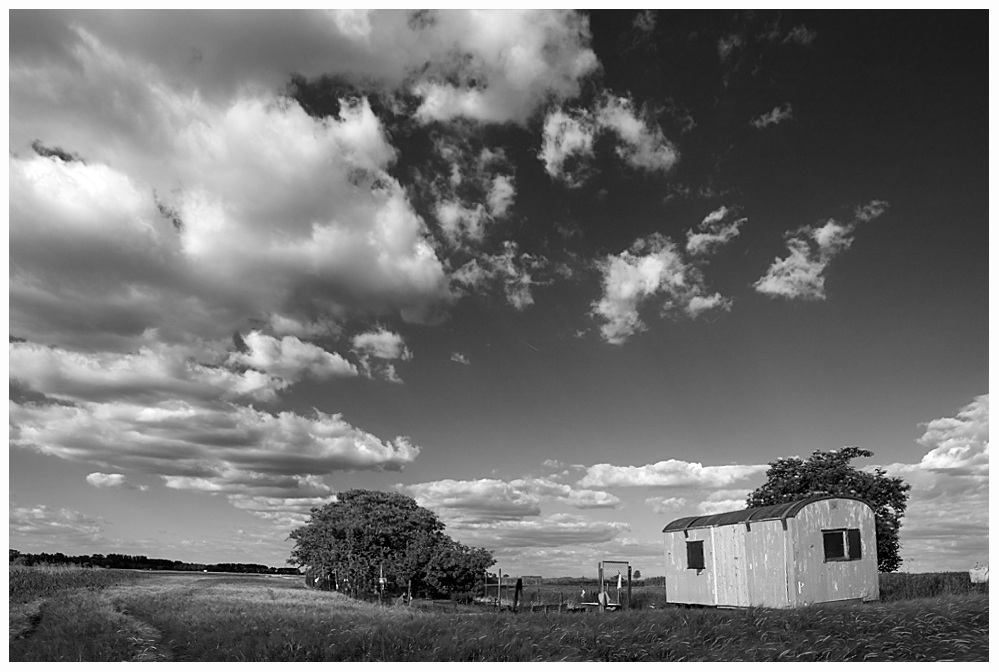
820, 580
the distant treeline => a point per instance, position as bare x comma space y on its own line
117, 561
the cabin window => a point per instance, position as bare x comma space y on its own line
695, 555
841, 544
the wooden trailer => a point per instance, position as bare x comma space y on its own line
819, 549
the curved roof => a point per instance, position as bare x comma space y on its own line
774, 512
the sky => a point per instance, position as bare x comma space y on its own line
562, 277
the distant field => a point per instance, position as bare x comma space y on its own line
103, 615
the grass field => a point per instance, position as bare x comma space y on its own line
105, 615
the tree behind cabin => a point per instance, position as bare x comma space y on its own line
829, 473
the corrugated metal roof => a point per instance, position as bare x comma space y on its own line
775, 512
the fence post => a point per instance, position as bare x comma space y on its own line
600, 588
628, 608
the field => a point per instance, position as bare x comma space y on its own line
105, 615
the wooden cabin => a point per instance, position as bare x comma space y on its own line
819, 549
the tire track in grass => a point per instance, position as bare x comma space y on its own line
24, 619
83, 625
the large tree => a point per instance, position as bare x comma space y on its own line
830, 473
365, 532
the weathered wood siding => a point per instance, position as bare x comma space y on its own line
767, 548
742, 568
689, 586
767, 565
814, 578
731, 566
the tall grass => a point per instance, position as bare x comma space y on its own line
38, 581
900, 586
189, 618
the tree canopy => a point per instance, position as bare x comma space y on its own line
830, 473
365, 532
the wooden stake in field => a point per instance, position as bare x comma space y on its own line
601, 601
381, 582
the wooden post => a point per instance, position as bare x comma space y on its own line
600, 588
628, 607
499, 588
409, 592
517, 592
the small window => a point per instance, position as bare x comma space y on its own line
695, 555
841, 544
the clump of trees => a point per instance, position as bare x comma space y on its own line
830, 473
366, 534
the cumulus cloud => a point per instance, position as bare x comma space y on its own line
641, 145
728, 44
491, 66
946, 524
567, 136
959, 444
723, 501
499, 66
870, 211
285, 512
773, 117
381, 344
290, 358
101, 480
218, 448
800, 35
653, 267
715, 230
239, 189
478, 191
154, 374
200, 373
501, 195
556, 530
66, 525
512, 269
671, 473
164, 195
460, 358
568, 140
666, 504
482, 500
645, 21
802, 273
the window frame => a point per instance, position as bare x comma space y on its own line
698, 544
850, 542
